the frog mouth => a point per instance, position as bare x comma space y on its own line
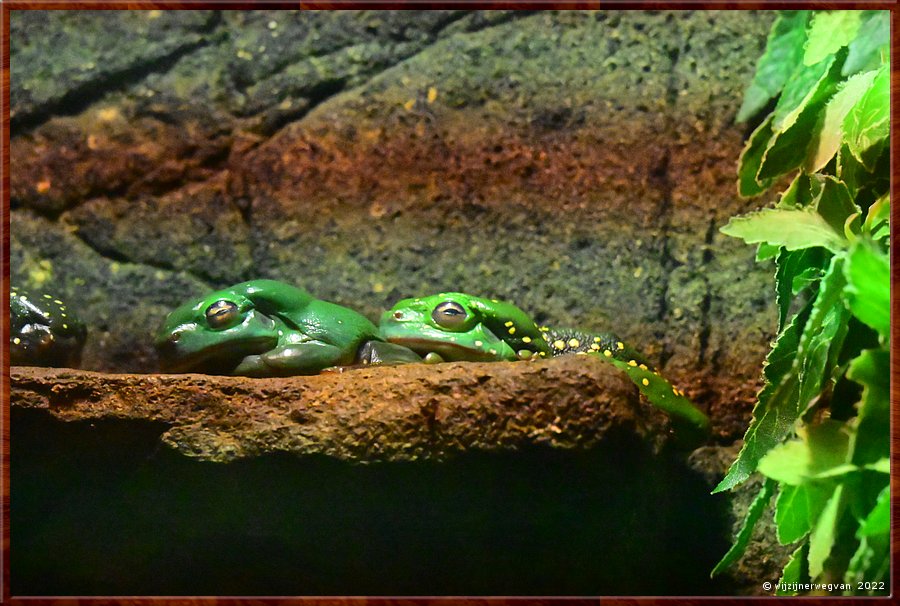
220, 358
447, 349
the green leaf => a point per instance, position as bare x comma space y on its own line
792, 229
797, 509
867, 125
870, 49
750, 159
822, 537
787, 148
827, 140
868, 289
833, 202
878, 215
794, 570
785, 397
784, 52
766, 251
829, 31
798, 194
821, 449
779, 381
791, 265
823, 335
754, 513
871, 562
879, 519
871, 441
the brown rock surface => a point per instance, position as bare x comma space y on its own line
363, 415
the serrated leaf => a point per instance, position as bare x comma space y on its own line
871, 441
797, 509
784, 52
754, 513
822, 537
868, 289
750, 159
827, 139
829, 31
821, 449
792, 229
867, 125
778, 382
787, 148
794, 570
871, 46
833, 202
798, 193
804, 86
789, 265
879, 519
781, 403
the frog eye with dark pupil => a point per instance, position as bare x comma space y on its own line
221, 314
449, 314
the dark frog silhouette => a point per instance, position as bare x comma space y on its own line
43, 331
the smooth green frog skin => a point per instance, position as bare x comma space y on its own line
43, 331
265, 328
459, 327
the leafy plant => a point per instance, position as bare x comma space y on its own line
819, 432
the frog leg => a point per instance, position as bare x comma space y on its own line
306, 358
382, 353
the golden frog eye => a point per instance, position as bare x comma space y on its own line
449, 314
222, 314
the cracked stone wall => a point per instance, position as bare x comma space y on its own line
577, 163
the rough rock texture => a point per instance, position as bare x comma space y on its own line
402, 413
576, 163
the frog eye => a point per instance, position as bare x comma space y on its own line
222, 314
449, 314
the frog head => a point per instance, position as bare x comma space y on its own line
214, 333
457, 326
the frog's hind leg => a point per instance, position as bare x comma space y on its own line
382, 353
292, 359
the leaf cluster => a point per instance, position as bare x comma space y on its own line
819, 432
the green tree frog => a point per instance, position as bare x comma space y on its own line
459, 327
265, 328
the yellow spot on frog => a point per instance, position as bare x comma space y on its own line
526, 339
512, 330
580, 353
57, 301
409, 105
607, 353
47, 296
242, 54
65, 326
478, 343
620, 345
62, 315
17, 340
674, 391
559, 344
543, 354
645, 382
493, 352
272, 24
574, 343
596, 339
43, 187
432, 94
544, 329
632, 363
638, 272
508, 324
595, 347
643, 367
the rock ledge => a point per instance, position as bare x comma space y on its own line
363, 415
